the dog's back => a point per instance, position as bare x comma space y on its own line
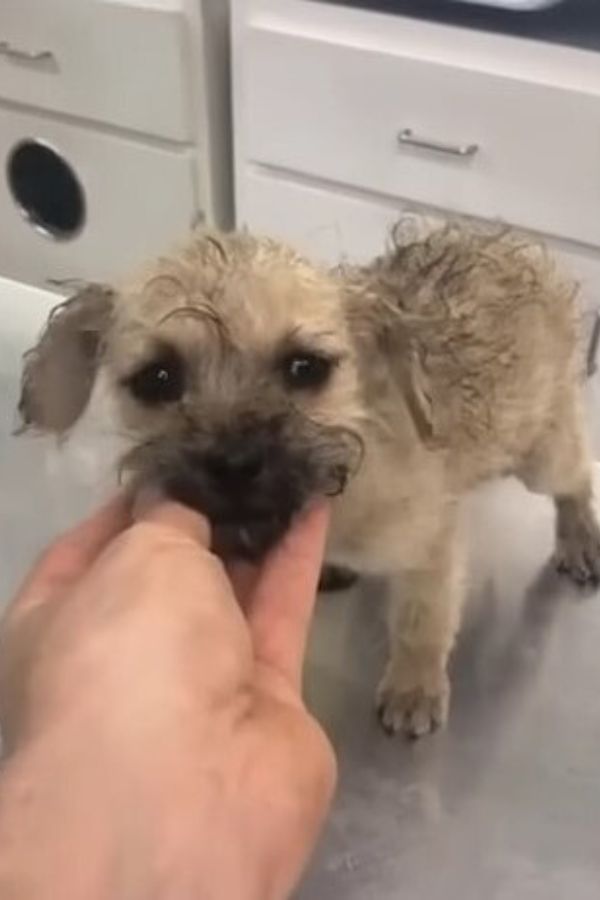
495, 327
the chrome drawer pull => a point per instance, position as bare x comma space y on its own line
31, 56
408, 137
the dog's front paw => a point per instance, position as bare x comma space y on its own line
410, 705
578, 554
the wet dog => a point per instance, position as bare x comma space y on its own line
249, 381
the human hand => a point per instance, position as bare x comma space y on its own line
157, 744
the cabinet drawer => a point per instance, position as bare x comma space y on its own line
336, 111
134, 201
330, 226
115, 62
322, 224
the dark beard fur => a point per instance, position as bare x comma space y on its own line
303, 461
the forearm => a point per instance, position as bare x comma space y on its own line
60, 837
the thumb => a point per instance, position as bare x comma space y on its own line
282, 602
176, 517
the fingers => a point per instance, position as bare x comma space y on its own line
177, 518
282, 602
73, 553
243, 577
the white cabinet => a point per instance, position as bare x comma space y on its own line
525, 152
125, 64
114, 132
494, 127
136, 199
324, 224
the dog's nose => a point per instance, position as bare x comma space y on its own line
242, 465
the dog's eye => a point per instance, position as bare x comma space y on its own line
306, 371
159, 381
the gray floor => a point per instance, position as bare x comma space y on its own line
505, 805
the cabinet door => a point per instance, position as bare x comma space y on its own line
123, 63
131, 200
325, 225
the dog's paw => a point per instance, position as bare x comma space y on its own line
578, 555
413, 707
336, 578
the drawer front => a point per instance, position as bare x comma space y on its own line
323, 225
531, 151
136, 201
108, 61
329, 226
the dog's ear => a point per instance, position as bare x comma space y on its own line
406, 363
387, 337
59, 372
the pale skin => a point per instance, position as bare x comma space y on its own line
156, 743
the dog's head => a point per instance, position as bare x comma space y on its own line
246, 381
234, 376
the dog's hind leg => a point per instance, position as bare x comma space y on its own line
336, 578
425, 610
561, 466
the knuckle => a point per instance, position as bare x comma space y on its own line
315, 772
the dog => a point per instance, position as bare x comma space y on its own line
248, 381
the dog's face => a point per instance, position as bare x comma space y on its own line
235, 379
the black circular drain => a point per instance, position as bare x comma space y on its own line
46, 189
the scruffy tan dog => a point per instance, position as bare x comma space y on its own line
249, 381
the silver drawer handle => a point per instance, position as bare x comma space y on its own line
32, 56
408, 137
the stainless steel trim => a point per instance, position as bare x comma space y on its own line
198, 219
594, 345
409, 138
32, 56
516, 5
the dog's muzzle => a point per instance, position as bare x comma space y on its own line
250, 482
247, 485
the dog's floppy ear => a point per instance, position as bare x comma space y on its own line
407, 366
59, 372
389, 338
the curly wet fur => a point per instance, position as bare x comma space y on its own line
456, 361
470, 307
474, 333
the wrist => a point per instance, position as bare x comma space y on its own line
55, 834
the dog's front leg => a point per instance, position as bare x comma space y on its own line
424, 617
